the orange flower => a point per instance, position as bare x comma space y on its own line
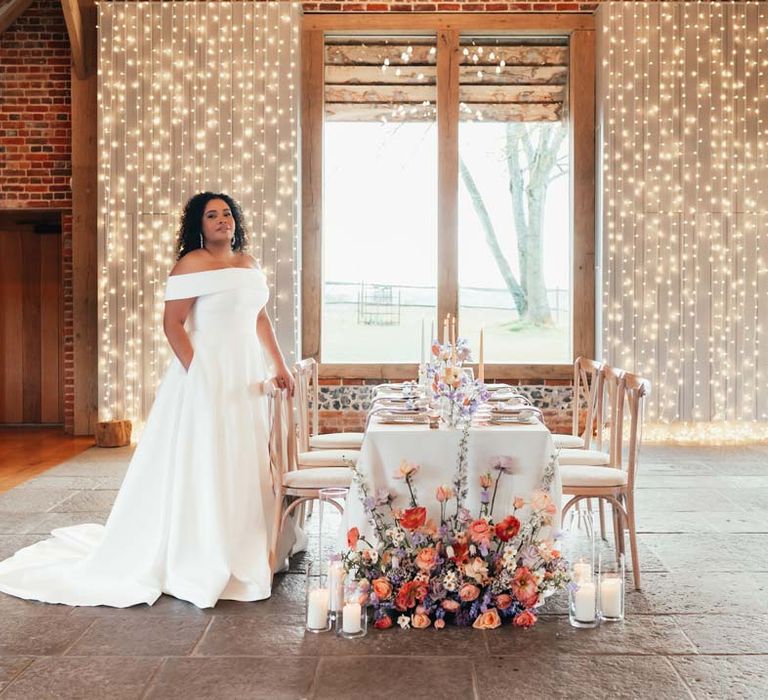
406, 469
524, 587
489, 620
413, 518
525, 619
383, 623
507, 528
469, 592
353, 535
420, 621
519, 503
382, 588
439, 623
444, 493
476, 569
503, 601
450, 605
426, 559
460, 552
409, 594
480, 531
429, 528
485, 481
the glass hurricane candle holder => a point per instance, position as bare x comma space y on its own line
317, 600
353, 620
612, 590
583, 603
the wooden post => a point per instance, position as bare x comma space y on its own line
113, 433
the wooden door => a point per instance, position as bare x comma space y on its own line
31, 328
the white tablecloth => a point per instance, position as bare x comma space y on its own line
436, 451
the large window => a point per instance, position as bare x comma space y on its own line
440, 174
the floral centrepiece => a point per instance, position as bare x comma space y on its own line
456, 394
464, 570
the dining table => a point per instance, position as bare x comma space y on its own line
527, 448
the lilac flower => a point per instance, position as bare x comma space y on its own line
368, 504
436, 589
505, 465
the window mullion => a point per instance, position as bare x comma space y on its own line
448, 174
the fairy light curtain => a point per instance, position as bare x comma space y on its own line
192, 96
683, 110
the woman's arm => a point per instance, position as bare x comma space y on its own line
266, 334
175, 315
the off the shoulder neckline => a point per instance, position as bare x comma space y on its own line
218, 269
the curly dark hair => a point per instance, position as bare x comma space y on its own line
191, 226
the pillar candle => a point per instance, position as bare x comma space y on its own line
584, 602
610, 597
336, 585
351, 618
582, 571
317, 609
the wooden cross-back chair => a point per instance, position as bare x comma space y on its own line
308, 401
615, 483
302, 485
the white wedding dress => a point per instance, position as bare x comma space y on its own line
194, 514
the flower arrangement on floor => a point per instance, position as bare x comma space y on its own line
465, 570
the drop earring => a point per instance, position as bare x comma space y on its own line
202, 243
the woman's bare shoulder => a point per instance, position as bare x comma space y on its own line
194, 261
250, 261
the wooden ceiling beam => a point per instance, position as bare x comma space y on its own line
10, 10
74, 20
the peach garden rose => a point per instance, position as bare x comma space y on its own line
489, 620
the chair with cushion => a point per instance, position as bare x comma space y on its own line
307, 390
615, 483
302, 485
305, 375
589, 383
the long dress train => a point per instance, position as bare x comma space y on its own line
193, 516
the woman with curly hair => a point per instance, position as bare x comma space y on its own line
193, 514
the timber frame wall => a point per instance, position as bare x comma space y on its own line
580, 30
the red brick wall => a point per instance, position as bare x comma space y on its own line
35, 137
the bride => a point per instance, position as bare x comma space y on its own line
192, 517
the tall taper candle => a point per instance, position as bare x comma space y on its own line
445, 337
423, 349
431, 335
480, 362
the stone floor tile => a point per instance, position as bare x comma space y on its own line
75, 483
12, 666
696, 500
164, 606
710, 552
578, 677
49, 635
139, 636
49, 522
234, 678
19, 523
86, 501
116, 678
32, 501
699, 523
387, 677
10, 544
685, 593
743, 677
10, 605
639, 634
726, 634
284, 635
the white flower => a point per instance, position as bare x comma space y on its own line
450, 581
509, 557
404, 621
539, 576
396, 536
449, 551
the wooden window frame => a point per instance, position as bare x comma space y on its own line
580, 29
